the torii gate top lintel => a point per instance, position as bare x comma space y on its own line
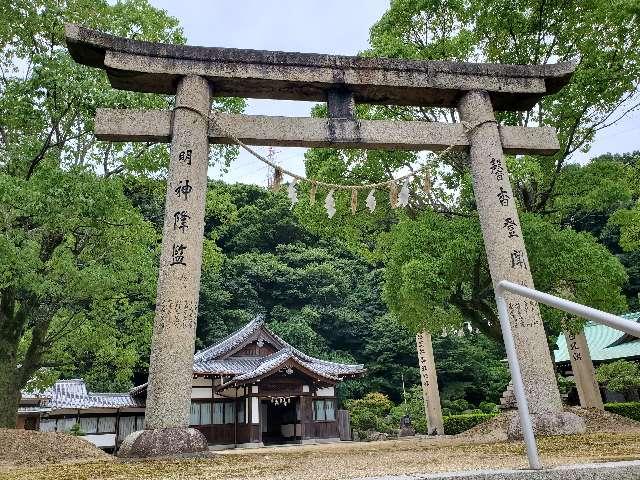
156, 68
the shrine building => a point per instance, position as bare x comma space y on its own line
250, 389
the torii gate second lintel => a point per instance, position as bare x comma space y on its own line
195, 74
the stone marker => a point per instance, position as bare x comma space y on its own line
508, 260
406, 429
166, 422
583, 371
429, 379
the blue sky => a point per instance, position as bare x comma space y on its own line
322, 26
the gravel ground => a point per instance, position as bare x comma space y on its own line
347, 460
28, 447
597, 421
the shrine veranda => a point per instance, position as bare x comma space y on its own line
196, 74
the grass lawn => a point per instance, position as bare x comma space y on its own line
345, 460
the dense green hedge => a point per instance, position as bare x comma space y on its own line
455, 424
628, 409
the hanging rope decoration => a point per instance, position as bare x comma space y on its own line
292, 192
371, 200
330, 204
396, 199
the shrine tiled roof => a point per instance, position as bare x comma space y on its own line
227, 366
213, 360
231, 342
73, 394
217, 359
605, 343
267, 364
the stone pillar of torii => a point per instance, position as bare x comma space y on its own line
196, 74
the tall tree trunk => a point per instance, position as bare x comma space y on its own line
11, 328
16, 312
9, 393
13, 377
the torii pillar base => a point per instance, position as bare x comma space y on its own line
549, 423
163, 442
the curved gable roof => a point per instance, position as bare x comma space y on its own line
231, 342
216, 360
605, 343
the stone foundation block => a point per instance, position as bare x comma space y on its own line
551, 423
163, 442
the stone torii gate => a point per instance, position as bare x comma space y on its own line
196, 74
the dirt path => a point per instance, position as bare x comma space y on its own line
347, 460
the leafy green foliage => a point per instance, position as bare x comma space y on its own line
77, 259
455, 407
602, 198
75, 430
445, 256
369, 412
627, 409
488, 407
413, 405
455, 424
436, 246
375, 412
470, 368
78, 277
565, 385
375, 402
619, 376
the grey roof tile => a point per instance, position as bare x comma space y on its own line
73, 394
246, 368
230, 342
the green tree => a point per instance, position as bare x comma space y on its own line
77, 264
620, 376
76, 257
436, 274
603, 38
368, 412
602, 198
470, 366
78, 260
445, 257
